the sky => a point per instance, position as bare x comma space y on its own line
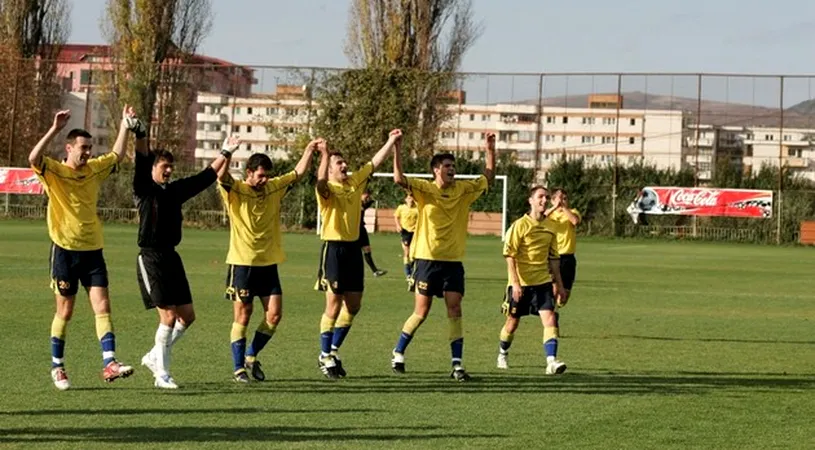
532, 36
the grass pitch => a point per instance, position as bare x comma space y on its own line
669, 345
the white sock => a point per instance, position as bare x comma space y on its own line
161, 351
550, 359
178, 332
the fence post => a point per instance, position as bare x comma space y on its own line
694, 219
780, 162
538, 129
616, 162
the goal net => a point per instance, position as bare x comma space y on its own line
371, 215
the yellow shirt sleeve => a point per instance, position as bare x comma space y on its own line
475, 188
512, 242
281, 182
361, 176
104, 165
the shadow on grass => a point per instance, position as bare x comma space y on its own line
678, 339
608, 383
208, 434
182, 411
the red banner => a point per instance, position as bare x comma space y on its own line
15, 180
703, 202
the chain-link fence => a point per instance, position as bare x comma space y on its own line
719, 130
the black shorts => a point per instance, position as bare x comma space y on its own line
71, 267
162, 279
244, 283
407, 237
363, 240
533, 300
434, 278
568, 270
341, 268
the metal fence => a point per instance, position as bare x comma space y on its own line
697, 122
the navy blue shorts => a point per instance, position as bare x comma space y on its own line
69, 268
341, 268
533, 300
434, 278
568, 270
244, 283
407, 237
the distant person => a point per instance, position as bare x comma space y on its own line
564, 221
364, 240
405, 217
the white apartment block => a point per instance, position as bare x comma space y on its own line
593, 133
265, 124
750, 148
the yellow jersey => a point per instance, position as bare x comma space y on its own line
73, 223
255, 238
407, 217
441, 230
340, 212
532, 244
565, 231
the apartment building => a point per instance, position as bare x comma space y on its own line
540, 136
751, 147
267, 123
82, 70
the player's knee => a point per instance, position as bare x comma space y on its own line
186, 317
273, 318
511, 325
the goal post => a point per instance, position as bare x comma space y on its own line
501, 178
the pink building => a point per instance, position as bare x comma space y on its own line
81, 68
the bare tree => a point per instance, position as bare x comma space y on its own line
31, 34
151, 41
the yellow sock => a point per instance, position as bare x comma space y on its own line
345, 319
58, 326
405, 260
549, 333
103, 325
506, 336
455, 329
326, 324
412, 324
238, 332
266, 328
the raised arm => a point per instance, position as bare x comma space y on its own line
383, 152
573, 218
136, 126
60, 120
489, 171
221, 164
305, 161
398, 175
120, 146
322, 171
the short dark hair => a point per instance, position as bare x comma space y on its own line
439, 158
259, 160
536, 188
77, 132
335, 153
162, 154
561, 190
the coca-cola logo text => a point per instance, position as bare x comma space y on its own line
700, 197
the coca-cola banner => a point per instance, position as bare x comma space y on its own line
703, 202
15, 180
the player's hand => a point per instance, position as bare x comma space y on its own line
490, 138
61, 119
322, 145
556, 202
561, 295
312, 146
395, 135
132, 123
517, 291
231, 143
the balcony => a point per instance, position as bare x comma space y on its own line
702, 142
799, 163
204, 135
211, 118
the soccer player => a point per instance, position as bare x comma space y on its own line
159, 270
405, 217
364, 240
341, 273
564, 221
530, 250
439, 245
255, 251
75, 230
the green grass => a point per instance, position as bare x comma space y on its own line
669, 345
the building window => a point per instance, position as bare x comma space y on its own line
448, 135
768, 137
587, 139
565, 119
632, 140
483, 135
470, 135
563, 138
236, 129
248, 110
787, 137
633, 122
485, 117
588, 121
249, 146
609, 121
268, 147
550, 119
249, 128
237, 110
472, 117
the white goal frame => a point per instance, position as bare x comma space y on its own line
501, 178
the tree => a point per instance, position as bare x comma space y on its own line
407, 53
31, 33
151, 41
